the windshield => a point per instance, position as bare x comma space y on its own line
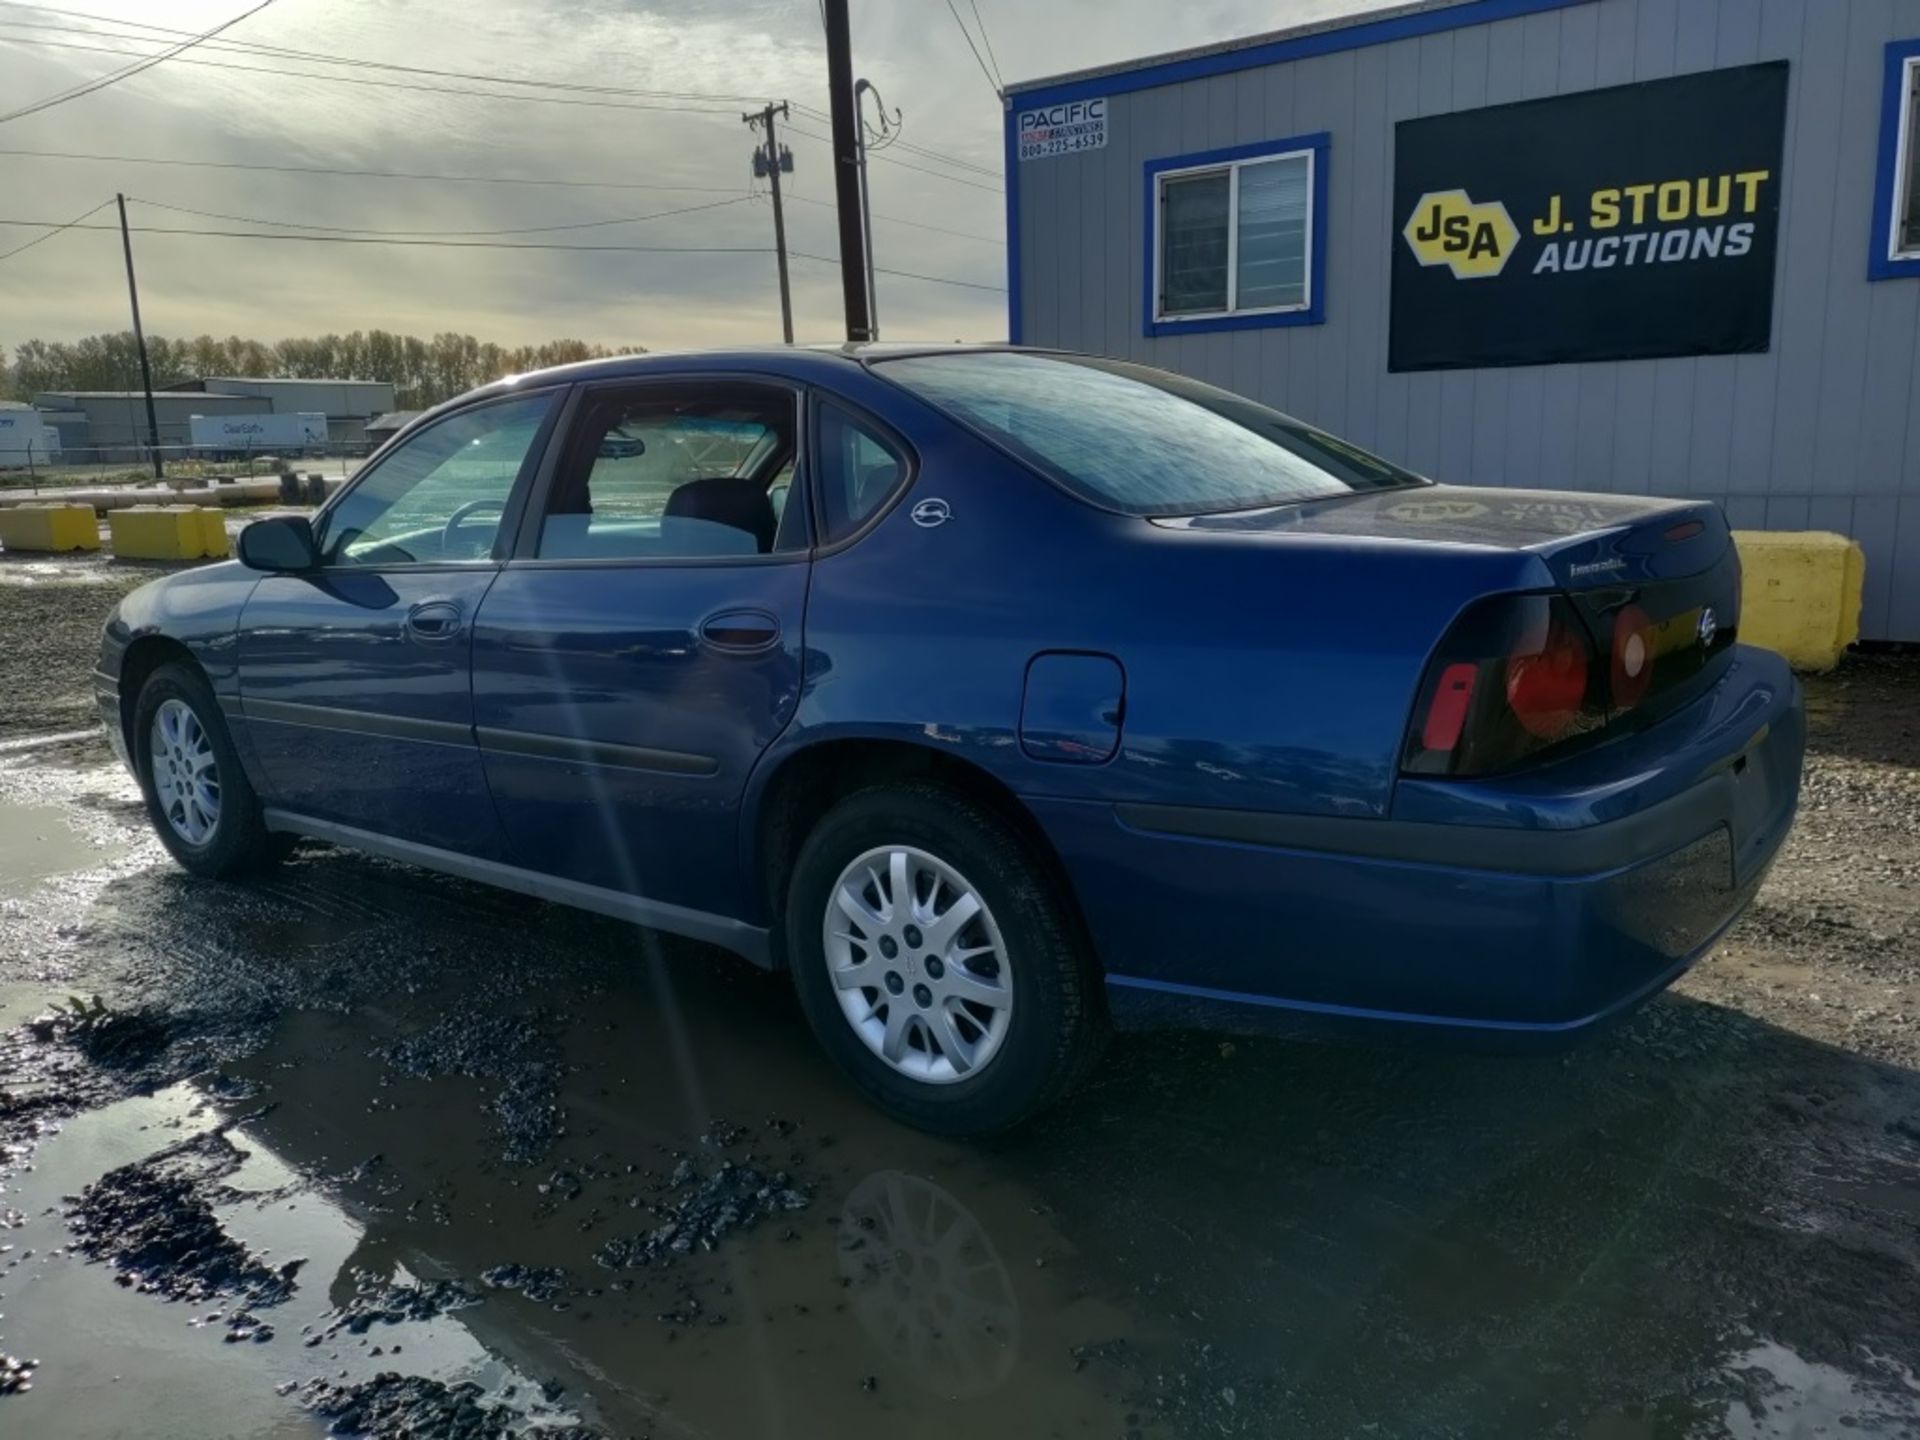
1141, 441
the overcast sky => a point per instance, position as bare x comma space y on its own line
912, 50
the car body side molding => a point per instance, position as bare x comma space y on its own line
594, 752
359, 722
748, 941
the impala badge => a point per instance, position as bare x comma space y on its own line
1709, 627
931, 512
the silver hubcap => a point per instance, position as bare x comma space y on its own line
918, 964
185, 775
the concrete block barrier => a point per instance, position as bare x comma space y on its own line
167, 532
1800, 593
49, 527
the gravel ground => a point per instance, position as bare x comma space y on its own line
370, 1149
51, 611
1831, 948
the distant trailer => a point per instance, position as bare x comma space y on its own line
228, 435
26, 439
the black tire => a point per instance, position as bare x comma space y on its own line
240, 843
1057, 1026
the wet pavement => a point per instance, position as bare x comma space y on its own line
362, 1147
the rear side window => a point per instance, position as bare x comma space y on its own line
673, 473
859, 468
1141, 441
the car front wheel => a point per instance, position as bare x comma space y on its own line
937, 961
198, 797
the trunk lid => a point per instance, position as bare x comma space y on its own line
1585, 540
1655, 582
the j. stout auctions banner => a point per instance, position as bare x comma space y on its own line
1609, 225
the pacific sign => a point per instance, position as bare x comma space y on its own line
1062, 129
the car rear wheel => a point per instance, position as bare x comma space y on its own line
937, 961
198, 797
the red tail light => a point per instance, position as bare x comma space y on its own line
1546, 687
1447, 716
1516, 675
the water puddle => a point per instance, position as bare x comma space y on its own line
38, 841
113, 1361
1789, 1397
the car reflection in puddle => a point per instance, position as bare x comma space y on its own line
928, 1288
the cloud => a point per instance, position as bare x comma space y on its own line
911, 49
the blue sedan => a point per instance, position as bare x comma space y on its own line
1001, 696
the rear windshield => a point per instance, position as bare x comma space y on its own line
1141, 441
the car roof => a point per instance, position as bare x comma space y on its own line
797, 360
817, 362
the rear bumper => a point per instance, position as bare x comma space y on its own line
1236, 920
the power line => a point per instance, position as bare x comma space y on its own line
987, 41
977, 57
440, 244
944, 158
76, 92
369, 174
680, 107
669, 101
9, 254
902, 220
906, 274
328, 58
903, 164
511, 230
502, 245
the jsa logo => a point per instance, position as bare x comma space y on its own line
1474, 241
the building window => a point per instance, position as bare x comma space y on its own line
1234, 237
1896, 220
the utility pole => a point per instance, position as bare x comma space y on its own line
861, 90
772, 159
140, 340
846, 170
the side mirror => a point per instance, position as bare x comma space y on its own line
279, 544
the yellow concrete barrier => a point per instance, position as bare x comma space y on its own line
49, 527
1800, 593
213, 534
166, 532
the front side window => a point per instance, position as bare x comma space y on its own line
440, 496
1141, 441
1234, 238
676, 473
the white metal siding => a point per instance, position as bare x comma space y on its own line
1813, 434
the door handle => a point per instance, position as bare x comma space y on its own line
740, 632
434, 620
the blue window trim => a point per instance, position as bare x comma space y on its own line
1881, 264
1357, 36
1315, 312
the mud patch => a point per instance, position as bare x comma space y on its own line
539, 1283
514, 1050
411, 1407
377, 1301
153, 1222
698, 1212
